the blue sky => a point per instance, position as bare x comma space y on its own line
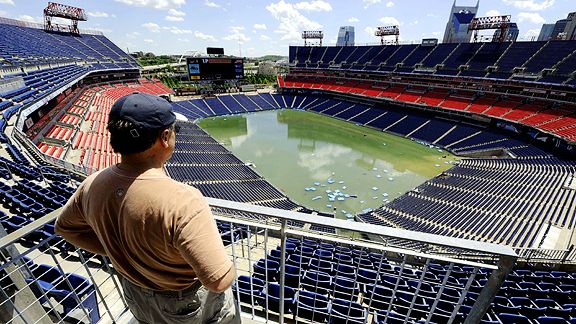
260, 27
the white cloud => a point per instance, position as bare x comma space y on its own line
172, 18
200, 35
98, 14
148, 40
353, 20
415, 22
31, 19
183, 40
368, 3
389, 21
292, 22
177, 31
389, 4
532, 5
7, 2
211, 4
237, 35
531, 34
532, 17
316, 5
133, 35
370, 30
265, 38
156, 4
493, 12
260, 26
155, 28
3, 13
176, 13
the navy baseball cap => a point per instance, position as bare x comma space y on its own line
144, 110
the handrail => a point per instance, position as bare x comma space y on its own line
488, 248
276, 226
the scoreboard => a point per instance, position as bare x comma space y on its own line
214, 68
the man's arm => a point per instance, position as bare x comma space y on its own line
72, 226
198, 240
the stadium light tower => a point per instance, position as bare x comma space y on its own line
63, 11
387, 31
493, 22
312, 34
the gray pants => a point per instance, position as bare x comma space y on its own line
193, 305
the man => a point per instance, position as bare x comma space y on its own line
159, 234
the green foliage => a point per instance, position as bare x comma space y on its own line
260, 79
156, 60
170, 82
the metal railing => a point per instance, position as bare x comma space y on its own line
286, 272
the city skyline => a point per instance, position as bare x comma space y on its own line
260, 27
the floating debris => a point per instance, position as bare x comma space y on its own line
340, 198
349, 216
374, 188
316, 183
385, 171
378, 176
340, 182
344, 187
328, 206
328, 191
374, 197
374, 169
385, 194
437, 165
390, 179
317, 197
362, 201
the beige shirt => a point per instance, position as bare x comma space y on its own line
158, 233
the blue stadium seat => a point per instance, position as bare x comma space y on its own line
311, 306
345, 311
249, 289
271, 298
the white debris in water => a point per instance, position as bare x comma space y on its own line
391, 179
374, 188
317, 197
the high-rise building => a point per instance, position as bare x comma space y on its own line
457, 26
546, 32
570, 29
558, 31
345, 36
511, 34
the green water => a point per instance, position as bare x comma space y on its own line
294, 149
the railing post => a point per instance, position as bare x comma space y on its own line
282, 268
505, 265
567, 253
25, 299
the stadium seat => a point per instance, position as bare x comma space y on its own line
311, 306
249, 289
271, 298
345, 311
